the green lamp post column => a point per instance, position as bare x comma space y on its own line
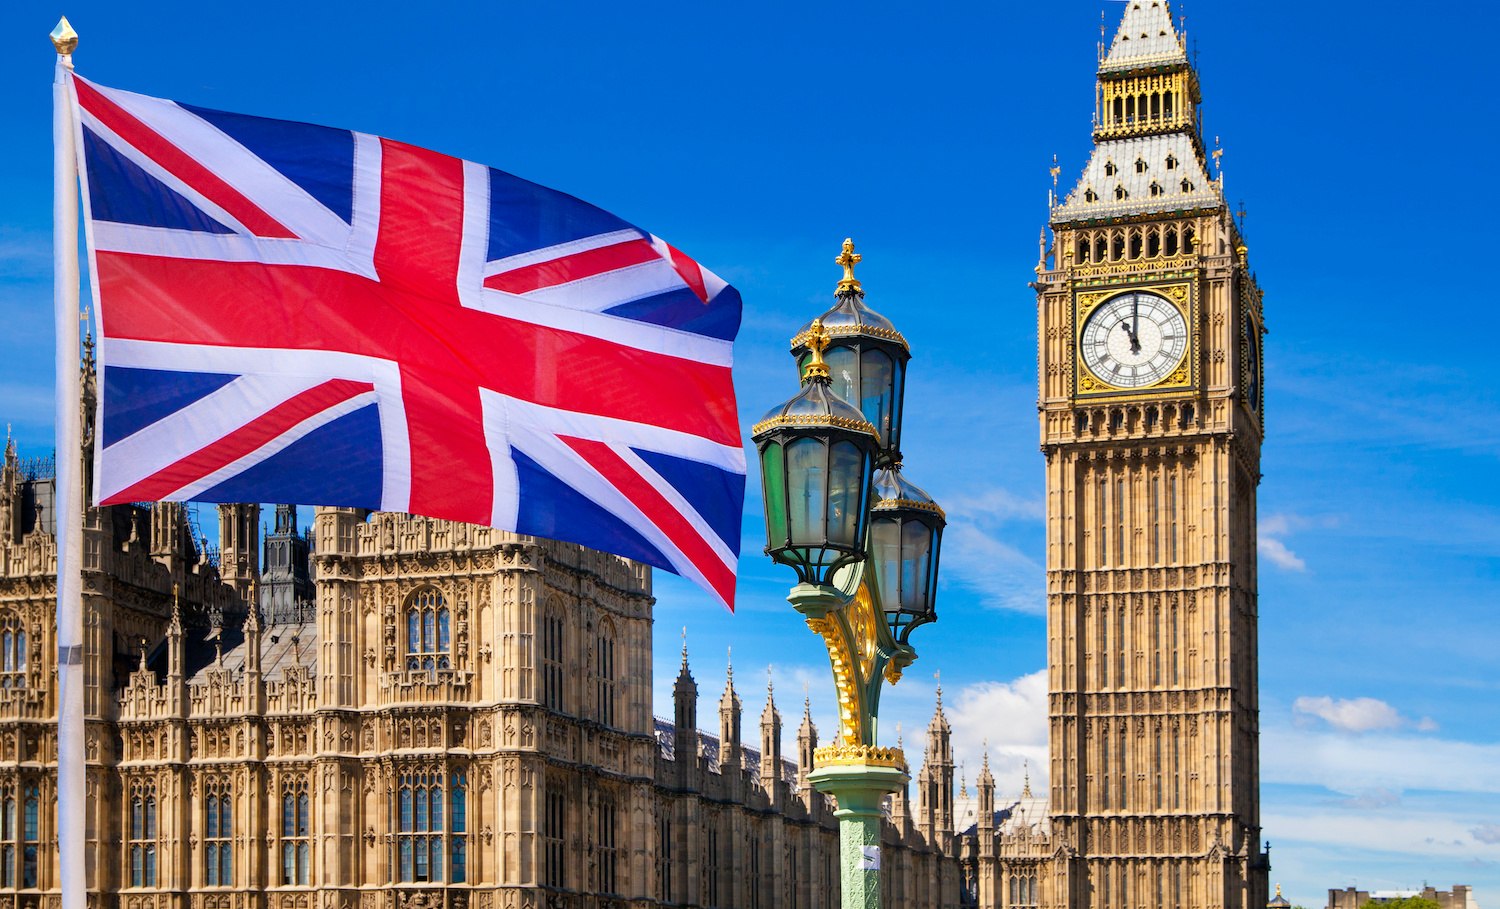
864, 543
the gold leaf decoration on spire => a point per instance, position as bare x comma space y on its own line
849, 258
63, 37
817, 342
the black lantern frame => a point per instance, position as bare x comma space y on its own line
906, 539
817, 460
866, 359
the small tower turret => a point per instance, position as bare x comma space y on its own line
685, 738
770, 741
807, 745
729, 727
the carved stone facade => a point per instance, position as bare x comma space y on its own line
1149, 371
458, 718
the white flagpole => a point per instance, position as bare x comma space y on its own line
71, 785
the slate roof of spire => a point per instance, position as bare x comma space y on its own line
1146, 38
1153, 151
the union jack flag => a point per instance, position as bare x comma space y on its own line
295, 313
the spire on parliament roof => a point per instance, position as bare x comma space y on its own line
1146, 38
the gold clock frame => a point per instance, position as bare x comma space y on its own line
1183, 295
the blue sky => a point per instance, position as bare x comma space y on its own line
757, 136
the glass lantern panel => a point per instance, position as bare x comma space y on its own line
877, 391
885, 551
807, 490
916, 559
843, 372
802, 362
773, 483
846, 476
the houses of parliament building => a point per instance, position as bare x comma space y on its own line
394, 712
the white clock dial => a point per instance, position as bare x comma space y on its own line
1134, 340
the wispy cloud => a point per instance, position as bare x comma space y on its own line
1283, 524
1356, 715
1370, 800
1010, 719
1487, 833
976, 554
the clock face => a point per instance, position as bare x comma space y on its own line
1134, 340
1252, 365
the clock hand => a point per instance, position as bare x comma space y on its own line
1135, 342
1135, 321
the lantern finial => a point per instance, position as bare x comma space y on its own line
849, 258
817, 342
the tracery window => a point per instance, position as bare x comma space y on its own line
296, 831
31, 835
604, 846
604, 674
8, 836
1023, 890
552, 659
664, 857
218, 833
12, 652
422, 802
142, 836
427, 631
552, 832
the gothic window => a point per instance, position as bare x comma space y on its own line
1155, 106
1135, 244
218, 833
1130, 109
752, 883
1104, 769
1187, 415
1119, 110
12, 652
1156, 189
604, 673
8, 836
422, 803
458, 814
1109, 169
1171, 159
1153, 243
552, 659
1083, 242
553, 828
1140, 165
604, 846
1155, 502
1099, 248
1166, 104
1172, 241
664, 857
427, 631
1121, 193
1120, 522
296, 830
142, 836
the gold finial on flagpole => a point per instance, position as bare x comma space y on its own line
63, 37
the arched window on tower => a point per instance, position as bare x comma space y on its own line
432, 825
1130, 109
604, 672
1171, 241
1156, 189
1121, 193
1119, 111
428, 631
1109, 169
296, 831
218, 833
12, 652
8, 835
1166, 105
1135, 244
1155, 106
552, 657
1153, 243
142, 836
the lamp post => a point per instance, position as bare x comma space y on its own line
864, 543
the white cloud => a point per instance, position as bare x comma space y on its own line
1350, 715
1277, 552
1356, 715
1398, 762
1010, 718
1487, 833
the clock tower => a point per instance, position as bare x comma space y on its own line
1149, 329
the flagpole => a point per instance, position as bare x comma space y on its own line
71, 784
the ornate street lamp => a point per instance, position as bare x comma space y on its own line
864, 545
